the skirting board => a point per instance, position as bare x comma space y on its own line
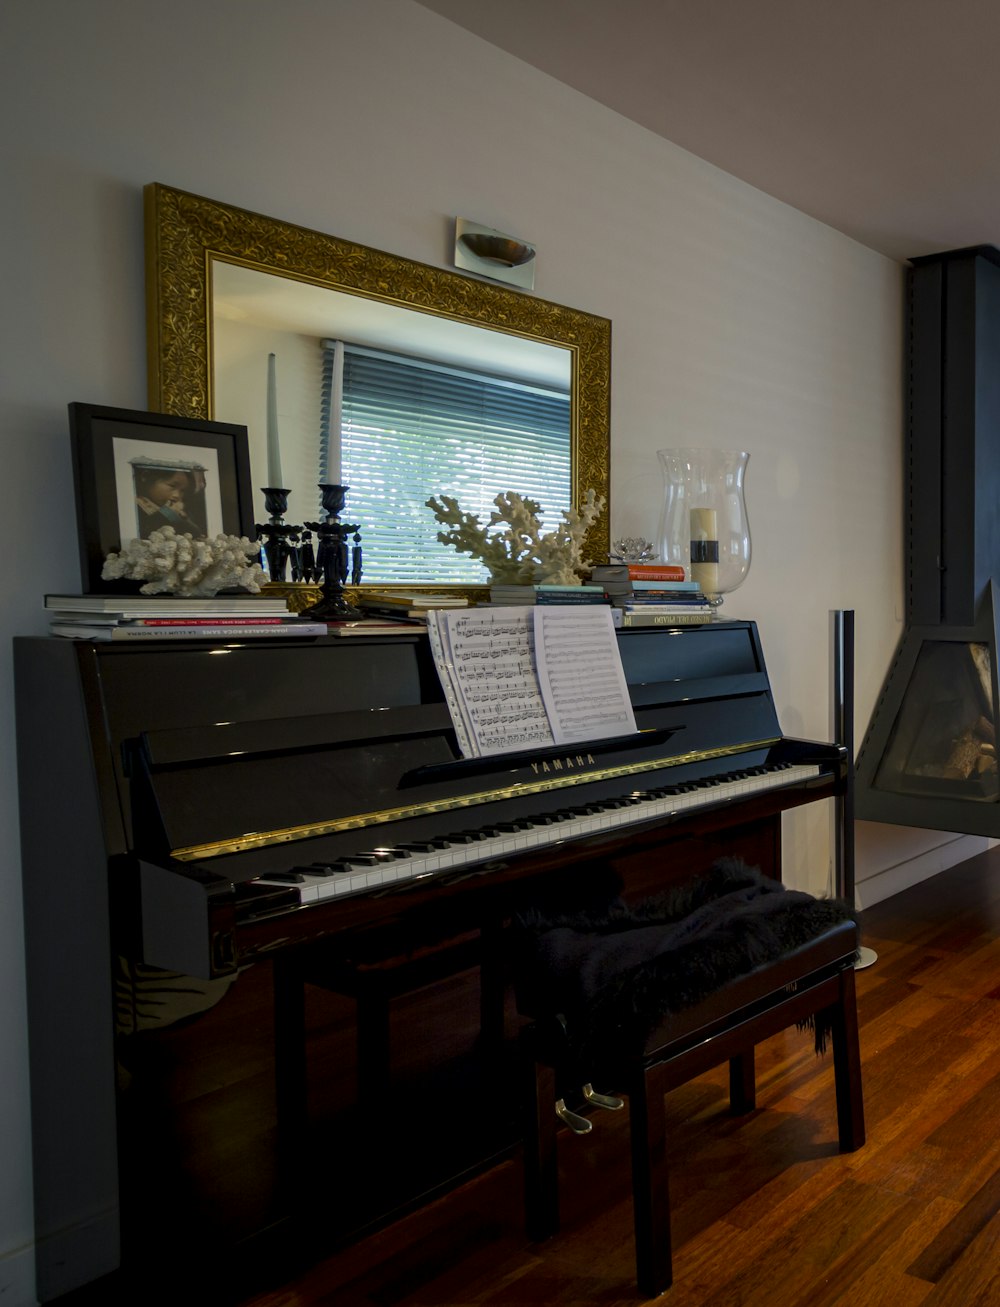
76, 1256
17, 1278
884, 884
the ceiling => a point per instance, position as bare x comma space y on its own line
878, 117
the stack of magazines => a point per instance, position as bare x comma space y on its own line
157, 617
411, 607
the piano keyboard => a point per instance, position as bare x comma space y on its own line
384, 867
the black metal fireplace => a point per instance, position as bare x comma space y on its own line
929, 757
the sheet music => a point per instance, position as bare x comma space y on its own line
511, 676
437, 634
490, 657
580, 673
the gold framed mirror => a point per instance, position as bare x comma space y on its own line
191, 242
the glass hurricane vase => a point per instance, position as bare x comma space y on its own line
704, 525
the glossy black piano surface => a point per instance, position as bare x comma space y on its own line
262, 815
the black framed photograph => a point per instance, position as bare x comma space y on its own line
136, 471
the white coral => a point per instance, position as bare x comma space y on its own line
521, 554
178, 564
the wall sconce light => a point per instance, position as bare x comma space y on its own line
494, 254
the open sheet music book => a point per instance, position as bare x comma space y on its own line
517, 679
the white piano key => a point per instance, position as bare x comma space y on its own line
508, 843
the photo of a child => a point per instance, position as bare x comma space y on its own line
169, 494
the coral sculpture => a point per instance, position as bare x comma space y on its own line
180, 565
521, 554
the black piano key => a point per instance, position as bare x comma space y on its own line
286, 877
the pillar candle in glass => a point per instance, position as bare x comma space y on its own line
705, 549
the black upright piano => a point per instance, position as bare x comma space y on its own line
265, 902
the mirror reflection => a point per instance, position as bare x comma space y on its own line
397, 404
372, 335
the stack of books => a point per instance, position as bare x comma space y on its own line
665, 614
619, 578
548, 594
156, 617
653, 594
408, 607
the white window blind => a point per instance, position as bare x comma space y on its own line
410, 429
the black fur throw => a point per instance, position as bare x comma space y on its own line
611, 975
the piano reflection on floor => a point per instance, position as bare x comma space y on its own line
259, 809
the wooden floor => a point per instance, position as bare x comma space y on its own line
766, 1211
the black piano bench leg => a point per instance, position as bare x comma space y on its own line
650, 1184
847, 1066
742, 1083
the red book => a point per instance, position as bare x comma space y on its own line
212, 621
655, 572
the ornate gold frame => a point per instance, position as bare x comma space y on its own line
184, 232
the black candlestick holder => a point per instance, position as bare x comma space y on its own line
278, 537
338, 557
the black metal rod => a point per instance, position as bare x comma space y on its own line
843, 725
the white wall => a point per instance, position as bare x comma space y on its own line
737, 321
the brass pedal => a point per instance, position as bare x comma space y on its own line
611, 1102
578, 1124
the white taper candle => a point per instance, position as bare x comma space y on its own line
274, 480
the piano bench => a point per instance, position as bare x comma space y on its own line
810, 983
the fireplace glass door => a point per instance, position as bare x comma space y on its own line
943, 741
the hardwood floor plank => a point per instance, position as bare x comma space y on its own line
959, 1233
798, 1255
871, 1273
973, 1280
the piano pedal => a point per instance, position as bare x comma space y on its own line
578, 1124
610, 1102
